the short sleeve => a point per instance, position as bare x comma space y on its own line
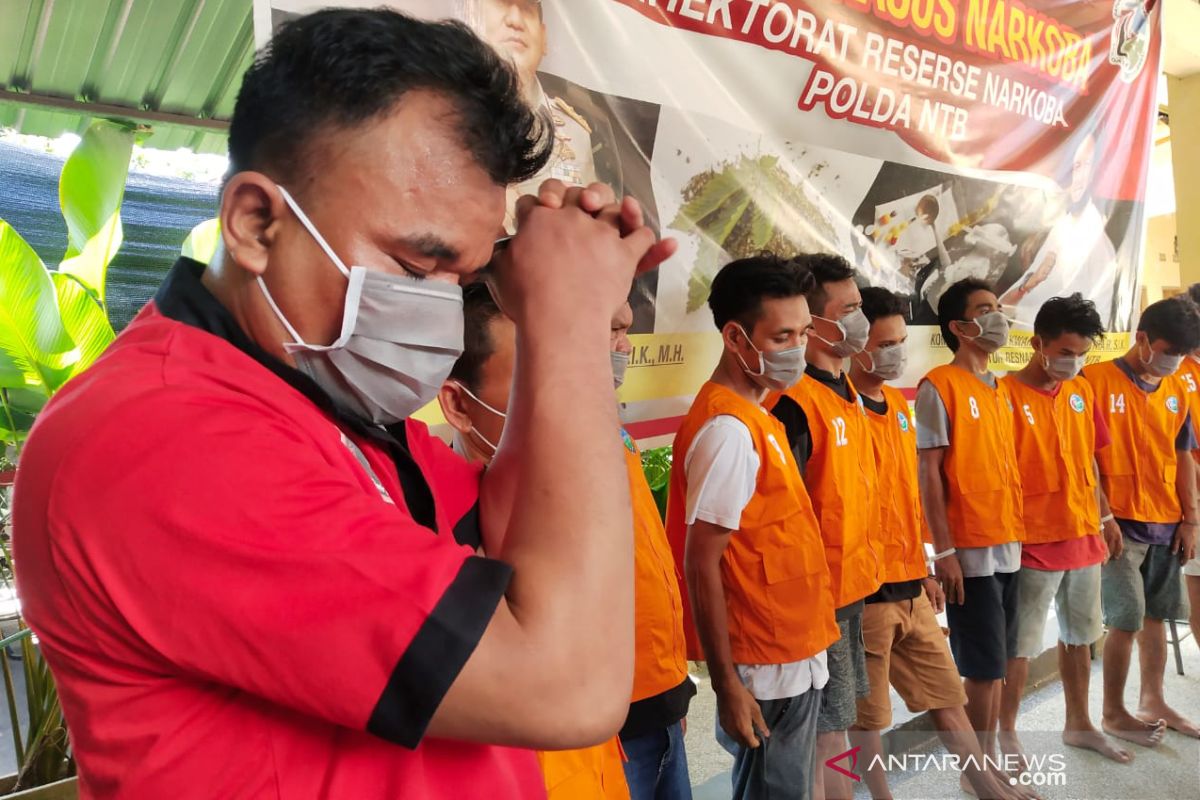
253, 554
1185, 440
933, 423
722, 471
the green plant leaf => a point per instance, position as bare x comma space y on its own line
84, 320
90, 191
201, 243
33, 338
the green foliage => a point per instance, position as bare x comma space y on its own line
201, 244
90, 191
656, 464
53, 325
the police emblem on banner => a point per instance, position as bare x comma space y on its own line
1077, 404
1173, 404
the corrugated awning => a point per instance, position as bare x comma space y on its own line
172, 65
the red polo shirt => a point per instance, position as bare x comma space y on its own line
233, 604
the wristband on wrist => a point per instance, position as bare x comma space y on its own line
1107, 518
947, 552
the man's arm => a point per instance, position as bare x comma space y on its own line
933, 499
737, 709
1110, 531
1185, 483
555, 665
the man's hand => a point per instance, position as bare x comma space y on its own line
1113, 541
937, 597
565, 260
740, 715
1184, 541
949, 574
599, 200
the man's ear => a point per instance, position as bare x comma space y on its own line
733, 335
251, 207
1035, 342
453, 401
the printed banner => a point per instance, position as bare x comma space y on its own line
925, 140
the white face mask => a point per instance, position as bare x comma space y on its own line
889, 362
620, 362
491, 446
1062, 368
399, 340
1160, 365
777, 371
855, 329
993, 331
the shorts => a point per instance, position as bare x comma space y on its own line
1076, 596
1143, 582
1192, 568
784, 764
847, 677
906, 646
983, 630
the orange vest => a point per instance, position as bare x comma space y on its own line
777, 591
894, 437
592, 773
660, 655
1138, 469
840, 477
1189, 373
983, 487
1056, 446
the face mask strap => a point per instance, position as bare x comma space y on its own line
762, 362
485, 440
470, 394
837, 323
312, 230
278, 314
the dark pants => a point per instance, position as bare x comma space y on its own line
782, 767
657, 768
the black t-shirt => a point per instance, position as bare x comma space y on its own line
901, 590
795, 421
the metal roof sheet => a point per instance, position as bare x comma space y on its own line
174, 65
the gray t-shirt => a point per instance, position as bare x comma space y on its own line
933, 430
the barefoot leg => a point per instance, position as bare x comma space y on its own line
1075, 664
1116, 719
1010, 704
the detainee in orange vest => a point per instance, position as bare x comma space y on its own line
1189, 372
474, 400
742, 525
1058, 430
1149, 476
971, 493
828, 434
904, 642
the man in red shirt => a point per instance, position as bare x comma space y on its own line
251, 574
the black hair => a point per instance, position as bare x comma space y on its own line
1073, 314
739, 289
1193, 293
878, 303
479, 311
953, 306
1175, 320
826, 268
332, 70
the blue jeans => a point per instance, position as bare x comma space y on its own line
657, 767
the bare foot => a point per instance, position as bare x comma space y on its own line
991, 785
1174, 720
1128, 727
1012, 753
1095, 740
